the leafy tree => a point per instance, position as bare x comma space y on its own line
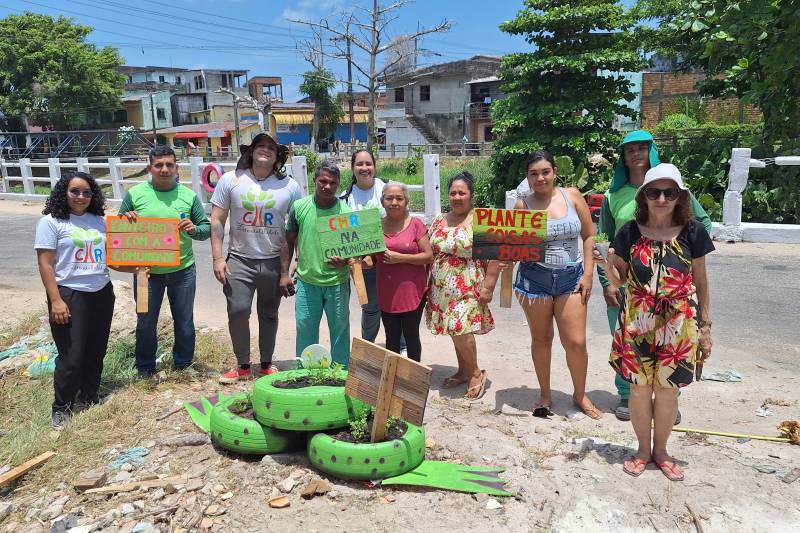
563, 95
49, 74
317, 85
751, 45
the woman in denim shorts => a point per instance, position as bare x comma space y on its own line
558, 286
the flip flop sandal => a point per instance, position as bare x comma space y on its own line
668, 469
543, 411
481, 389
451, 382
639, 466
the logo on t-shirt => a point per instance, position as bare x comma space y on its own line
86, 245
257, 204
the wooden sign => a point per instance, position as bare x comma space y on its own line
509, 234
394, 385
353, 234
146, 242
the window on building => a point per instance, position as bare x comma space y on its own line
198, 82
162, 79
424, 93
130, 78
161, 113
487, 133
178, 80
224, 80
399, 95
120, 116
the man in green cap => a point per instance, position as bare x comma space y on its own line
638, 153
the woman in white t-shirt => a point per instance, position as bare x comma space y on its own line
365, 193
71, 249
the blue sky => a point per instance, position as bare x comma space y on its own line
256, 35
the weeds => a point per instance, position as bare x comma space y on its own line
28, 325
359, 426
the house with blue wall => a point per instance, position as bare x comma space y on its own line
293, 123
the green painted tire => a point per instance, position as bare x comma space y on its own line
368, 461
244, 435
308, 409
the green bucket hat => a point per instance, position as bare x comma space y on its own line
620, 170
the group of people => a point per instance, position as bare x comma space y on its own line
654, 276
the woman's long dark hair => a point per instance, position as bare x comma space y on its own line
681, 214
538, 155
56, 204
349, 190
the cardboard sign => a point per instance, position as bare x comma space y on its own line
352, 234
393, 384
509, 234
146, 242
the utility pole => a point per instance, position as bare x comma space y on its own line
350, 92
236, 100
153, 118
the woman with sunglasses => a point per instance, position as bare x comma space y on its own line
71, 249
664, 324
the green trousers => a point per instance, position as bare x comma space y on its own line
310, 301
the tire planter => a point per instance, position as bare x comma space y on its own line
205, 177
306, 409
244, 435
368, 461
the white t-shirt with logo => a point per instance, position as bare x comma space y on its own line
80, 245
370, 199
256, 210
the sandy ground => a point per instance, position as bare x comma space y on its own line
564, 481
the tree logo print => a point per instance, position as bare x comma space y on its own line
86, 239
257, 200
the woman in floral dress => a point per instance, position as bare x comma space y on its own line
461, 287
664, 326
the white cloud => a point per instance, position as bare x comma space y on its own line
311, 10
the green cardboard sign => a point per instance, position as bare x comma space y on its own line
353, 234
509, 234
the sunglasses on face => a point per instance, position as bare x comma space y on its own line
654, 193
77, 193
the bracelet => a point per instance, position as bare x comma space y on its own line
704, 323
218, 259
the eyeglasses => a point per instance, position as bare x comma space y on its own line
77, 193
654, 193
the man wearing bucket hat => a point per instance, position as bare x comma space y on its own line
257, 197
637, 154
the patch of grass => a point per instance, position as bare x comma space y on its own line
29, 324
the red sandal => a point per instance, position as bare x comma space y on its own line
637, 466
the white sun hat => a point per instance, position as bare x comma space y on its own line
664, 171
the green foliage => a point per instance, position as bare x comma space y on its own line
485, 188
600, 238
563, 96
48, 71
751, 43
311, 158
675, 123
317, 85
359, 428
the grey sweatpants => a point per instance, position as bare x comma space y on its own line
249, 276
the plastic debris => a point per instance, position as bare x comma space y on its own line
763, 411
729, 376
133, 456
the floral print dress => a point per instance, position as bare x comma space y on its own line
656, 336
455, 283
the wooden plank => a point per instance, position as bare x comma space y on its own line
385, 388
358, 279
135, 485
24, 468
505, 287
142, 291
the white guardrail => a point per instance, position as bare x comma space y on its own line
296, 168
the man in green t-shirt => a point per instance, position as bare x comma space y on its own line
164, 197
637, 154
321, 285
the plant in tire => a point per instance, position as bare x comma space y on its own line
309, 406
233, 428
378, 460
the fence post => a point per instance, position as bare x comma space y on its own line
116, 178
82, 163
732, 201
431, 186
25, 172
300, 172
408, 150
391, 146
197, 173
55, 170
4, 172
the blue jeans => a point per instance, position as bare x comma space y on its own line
537, 281
309, 303
180, 287
370, 313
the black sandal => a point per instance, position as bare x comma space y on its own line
543, 411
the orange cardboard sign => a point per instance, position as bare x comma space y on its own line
146, 242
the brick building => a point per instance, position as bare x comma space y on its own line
666, 93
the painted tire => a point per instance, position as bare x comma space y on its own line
307, 409
368, 461
244, 435
205, 177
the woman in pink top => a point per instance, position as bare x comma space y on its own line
402, 275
